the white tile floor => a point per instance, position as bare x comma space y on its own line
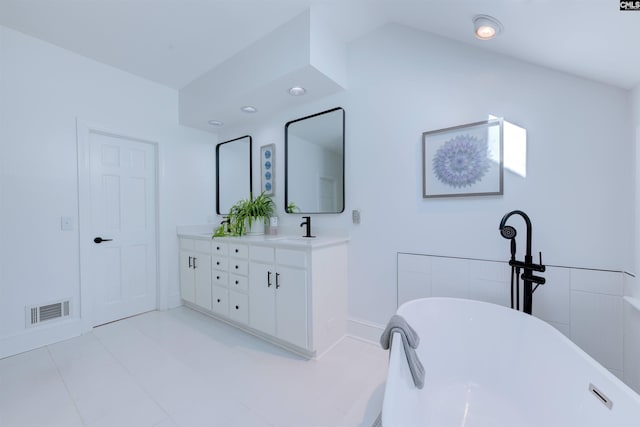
181, 368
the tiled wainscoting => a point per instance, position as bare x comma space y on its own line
585, 305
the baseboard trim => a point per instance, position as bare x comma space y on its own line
364, 330
40, 336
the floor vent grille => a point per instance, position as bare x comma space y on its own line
48, 312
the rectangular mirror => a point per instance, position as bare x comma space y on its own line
233, 172
314, 163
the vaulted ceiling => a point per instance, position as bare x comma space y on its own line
173, 42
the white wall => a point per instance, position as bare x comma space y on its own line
402, 82
43, 89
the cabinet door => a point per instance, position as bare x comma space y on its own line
262, 298
187, 283
202, 272
291, 306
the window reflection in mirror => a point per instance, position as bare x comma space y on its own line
233, 172
314, 163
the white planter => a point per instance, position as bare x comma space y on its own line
257, 227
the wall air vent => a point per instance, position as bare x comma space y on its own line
48, 312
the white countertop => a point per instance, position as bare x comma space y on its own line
285, 241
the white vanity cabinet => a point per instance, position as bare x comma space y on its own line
195, 272
278, 294
289, 291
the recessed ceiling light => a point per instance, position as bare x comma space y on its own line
486, 27
215, 123
249, 109
297, 91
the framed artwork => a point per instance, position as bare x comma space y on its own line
464, 160
267, 167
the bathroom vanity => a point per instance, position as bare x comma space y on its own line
289, 290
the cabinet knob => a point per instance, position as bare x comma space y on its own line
217, 277
237, 307
237, 267
217, 248
236, 250
217, 262
236, 282
218, 299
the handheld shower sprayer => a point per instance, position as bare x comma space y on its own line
509, 232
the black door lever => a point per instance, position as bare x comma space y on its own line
100, 240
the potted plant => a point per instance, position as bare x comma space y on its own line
247, 216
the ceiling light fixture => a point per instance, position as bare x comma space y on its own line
486, 27
215, 123
249, 109
297, 91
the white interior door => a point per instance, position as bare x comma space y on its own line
120, 254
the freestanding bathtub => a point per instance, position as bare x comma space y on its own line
491, 366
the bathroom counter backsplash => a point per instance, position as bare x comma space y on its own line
280, 240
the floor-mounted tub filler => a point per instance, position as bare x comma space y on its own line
487, 365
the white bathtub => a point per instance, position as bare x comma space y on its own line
488, 365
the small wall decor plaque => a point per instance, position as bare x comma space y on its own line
464, 160
267, 167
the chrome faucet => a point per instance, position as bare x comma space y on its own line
307, 223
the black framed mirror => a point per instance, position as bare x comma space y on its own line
233, 172
314, 163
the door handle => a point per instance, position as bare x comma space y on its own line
100, 240
190, 258
268, 279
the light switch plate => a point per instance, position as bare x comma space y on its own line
355, 216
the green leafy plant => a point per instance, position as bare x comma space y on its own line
244, 213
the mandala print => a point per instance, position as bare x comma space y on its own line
462, 161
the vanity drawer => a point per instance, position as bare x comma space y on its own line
220, 300
220, 278
239, 307
237, 266
291, 258
218, 248
238, 282
262, 254
238, 250
220, 263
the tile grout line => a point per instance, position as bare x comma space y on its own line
134, 378
66, 386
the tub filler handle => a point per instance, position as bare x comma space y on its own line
600, 396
